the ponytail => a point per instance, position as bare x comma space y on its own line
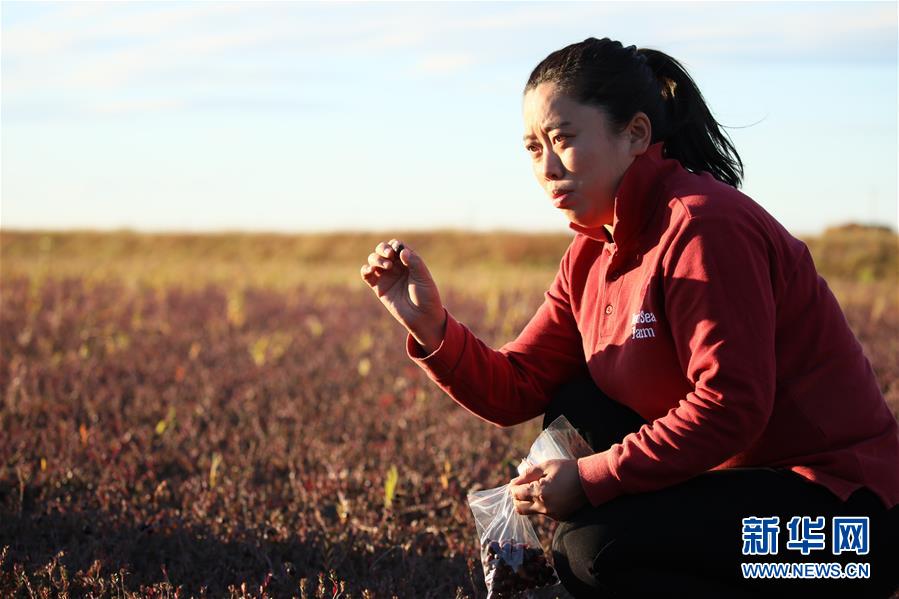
690, 132
624, 81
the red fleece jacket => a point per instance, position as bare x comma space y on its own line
705, 316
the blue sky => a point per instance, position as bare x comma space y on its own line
333, 116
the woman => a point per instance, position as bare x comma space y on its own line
688, 337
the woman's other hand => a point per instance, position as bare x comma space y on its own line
552, 488
404, 285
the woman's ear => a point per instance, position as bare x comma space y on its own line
639, 133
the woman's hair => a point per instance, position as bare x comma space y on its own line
623, 81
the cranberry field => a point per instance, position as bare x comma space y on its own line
236, 415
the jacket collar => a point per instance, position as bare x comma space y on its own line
637, 199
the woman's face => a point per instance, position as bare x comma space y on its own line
578, 156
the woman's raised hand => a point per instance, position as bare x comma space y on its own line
404, 285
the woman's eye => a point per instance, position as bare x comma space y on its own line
532, 148
559, 138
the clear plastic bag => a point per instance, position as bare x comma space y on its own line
511, 553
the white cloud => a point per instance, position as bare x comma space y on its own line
114, 68
79, 24
83, 50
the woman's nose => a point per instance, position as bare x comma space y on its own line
552, 166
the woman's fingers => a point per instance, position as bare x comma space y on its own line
527, 498
528, 507
376, 260
385, 253
527, 491
369, 273
387, 248
382, 259
520, 493
532, 473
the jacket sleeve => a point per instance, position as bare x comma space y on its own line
719, 303
514, 383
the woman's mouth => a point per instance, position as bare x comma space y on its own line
562, 199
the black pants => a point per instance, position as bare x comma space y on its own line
686, 540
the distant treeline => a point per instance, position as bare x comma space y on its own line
864, 253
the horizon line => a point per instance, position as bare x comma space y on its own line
359, 231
